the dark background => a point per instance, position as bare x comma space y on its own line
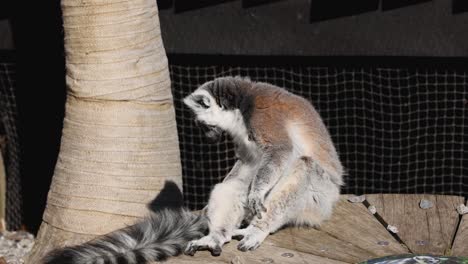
283, 28
34, 36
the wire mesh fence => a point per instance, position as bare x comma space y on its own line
8, 122
397, 130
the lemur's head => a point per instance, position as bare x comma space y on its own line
221, 105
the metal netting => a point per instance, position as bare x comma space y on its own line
9, 119
397, 130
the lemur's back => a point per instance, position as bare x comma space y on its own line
283, 118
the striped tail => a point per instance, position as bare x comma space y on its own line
157, 237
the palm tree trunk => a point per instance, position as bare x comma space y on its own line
119, 142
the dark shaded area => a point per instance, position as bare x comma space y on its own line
169, 197
165, 4
11, 149
252, 3
460, 6
394, 4
40, 93
8, 56
5, 9
186, 5
327, 9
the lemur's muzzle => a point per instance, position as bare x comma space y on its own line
213, 133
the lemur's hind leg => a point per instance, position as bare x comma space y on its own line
298, 198
225, 212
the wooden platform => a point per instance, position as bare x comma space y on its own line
354, 234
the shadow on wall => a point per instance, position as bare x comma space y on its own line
169, 197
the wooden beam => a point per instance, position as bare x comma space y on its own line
460, 244
428, 230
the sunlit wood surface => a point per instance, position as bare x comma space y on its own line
354, 234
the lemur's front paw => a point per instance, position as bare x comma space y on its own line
205, 243
252, 237
256, 205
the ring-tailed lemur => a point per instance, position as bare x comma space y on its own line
287, 172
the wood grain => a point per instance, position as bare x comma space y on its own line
319, 243
422, 230
354, 224
460, 244
352, 235
266, 253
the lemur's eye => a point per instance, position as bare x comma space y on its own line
202, 102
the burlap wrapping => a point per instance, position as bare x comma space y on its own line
119, 142
114, 158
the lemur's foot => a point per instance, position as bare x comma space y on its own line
256, 205
204, 243
252, 238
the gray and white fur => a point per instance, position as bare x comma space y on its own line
160, 235
287, 173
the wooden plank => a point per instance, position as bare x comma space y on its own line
264, 254
352, 235
422, 230
319, 243
354, 224
460, 244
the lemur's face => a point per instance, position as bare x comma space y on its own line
215, 105
210, 116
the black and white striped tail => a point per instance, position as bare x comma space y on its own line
161, 235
